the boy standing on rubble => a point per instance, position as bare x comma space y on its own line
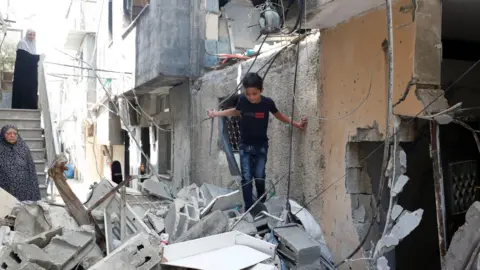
254, 109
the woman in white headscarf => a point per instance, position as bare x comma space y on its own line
25, 76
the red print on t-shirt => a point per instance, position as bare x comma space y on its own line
260, 115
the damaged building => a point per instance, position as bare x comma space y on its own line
378, 179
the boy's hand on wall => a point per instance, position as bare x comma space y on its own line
212, 113
303, 122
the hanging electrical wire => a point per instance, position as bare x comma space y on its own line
289, 176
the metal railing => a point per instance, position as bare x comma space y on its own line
51, 140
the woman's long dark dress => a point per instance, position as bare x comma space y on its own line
25, 81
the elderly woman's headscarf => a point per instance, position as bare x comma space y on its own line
4, 131
27, 44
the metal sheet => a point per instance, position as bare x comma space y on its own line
230, 258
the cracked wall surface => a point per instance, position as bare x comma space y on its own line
307, 165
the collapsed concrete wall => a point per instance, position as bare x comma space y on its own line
214, 86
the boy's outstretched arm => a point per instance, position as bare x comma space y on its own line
285, 119
230, 112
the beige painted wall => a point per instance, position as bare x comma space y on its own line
348, 51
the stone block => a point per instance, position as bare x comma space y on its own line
140, 252
215, 223
298, 246
181, 216
465, 240
358, 181
55, 249
157, 189
362, 207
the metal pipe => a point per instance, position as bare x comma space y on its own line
439, 189
123, 218
390, 60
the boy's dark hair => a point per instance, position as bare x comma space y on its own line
252, 79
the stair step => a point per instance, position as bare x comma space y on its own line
21, 123
38, 154
30, 132
34, 143
40, 165
43, 191
42, 178
19, 114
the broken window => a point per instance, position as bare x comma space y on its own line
132, 8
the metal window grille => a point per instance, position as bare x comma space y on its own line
463, 180
233, 130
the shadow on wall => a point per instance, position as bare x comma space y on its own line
419, 250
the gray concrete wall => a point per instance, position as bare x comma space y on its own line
167, 41
307, 164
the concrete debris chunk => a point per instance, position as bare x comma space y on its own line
299, 247
157, 223
55, 249
140, 252
465, 240
407, 222
215, 223
193, 194
382, 264
35, 218
157, 189
399, 184
224, 202
210, 192
396, 211
181, 217
243, 226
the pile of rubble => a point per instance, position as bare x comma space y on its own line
197, 228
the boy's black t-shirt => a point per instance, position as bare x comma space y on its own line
254, 119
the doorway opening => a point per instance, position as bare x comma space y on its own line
362, 184
460, 154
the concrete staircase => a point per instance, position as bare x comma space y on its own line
29, 127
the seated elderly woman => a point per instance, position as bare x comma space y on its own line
17, 169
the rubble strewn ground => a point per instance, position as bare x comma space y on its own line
162, 231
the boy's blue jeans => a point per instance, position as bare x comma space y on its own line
253, 159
